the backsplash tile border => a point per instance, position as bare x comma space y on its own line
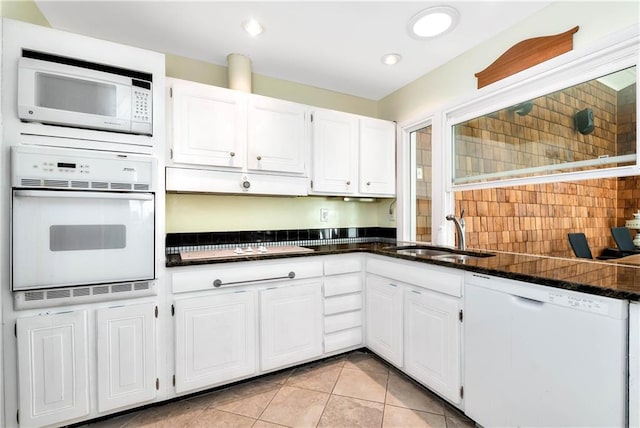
177, 242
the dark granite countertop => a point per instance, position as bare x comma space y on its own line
593, 277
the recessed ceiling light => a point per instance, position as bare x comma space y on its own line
253, 27
391, 59
432, 22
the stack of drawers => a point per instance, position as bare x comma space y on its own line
342, 302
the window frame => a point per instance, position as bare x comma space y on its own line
622, 50
555, 77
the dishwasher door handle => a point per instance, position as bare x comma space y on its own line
525, 301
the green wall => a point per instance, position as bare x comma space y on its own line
196, 213
212, 74
23, 10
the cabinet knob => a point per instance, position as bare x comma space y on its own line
246, 184
232, 154
348, 183
217, 283
259, 157
368, 183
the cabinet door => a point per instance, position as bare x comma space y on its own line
334, 152
209, 125
126, 355
384, 319
377, 157
53, 368
277, 136
215, 339
432, 340
290, 324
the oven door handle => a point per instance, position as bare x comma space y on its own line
82, 195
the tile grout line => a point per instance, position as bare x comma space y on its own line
331, 394
270, 401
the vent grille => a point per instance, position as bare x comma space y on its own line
121, 186
33, 295
80, 184
56, 183
58, 294
77, 295
78, 292
99, 185
31, 182
119, 288
101, 290
141, 286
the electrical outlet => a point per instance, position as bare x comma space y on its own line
392, 215
418, 173
324, 215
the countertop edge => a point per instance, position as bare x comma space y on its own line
324, 250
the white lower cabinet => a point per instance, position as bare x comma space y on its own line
53, 368
414, 321
432, 340
54, 363
290, 324
384, 318
215, 339
126, 355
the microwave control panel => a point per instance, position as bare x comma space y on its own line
72, 168
141, 100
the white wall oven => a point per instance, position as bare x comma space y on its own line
82, 225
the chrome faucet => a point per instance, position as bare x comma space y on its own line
460, 229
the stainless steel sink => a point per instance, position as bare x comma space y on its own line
438, 253
425, 252
455, 258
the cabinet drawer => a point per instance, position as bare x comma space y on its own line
333, 323
334, 305
342, 284
194, 278
343, 339
342, 264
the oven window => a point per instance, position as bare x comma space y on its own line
87, 237
83, 96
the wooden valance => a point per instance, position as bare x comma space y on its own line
526, 54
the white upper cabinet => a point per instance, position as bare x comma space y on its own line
232, 130
209, 125
377, 157
334, 152
352, 155
277, 136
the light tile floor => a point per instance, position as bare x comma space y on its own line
353, 390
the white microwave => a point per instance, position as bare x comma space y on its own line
64, 91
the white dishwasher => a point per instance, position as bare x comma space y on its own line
543, 357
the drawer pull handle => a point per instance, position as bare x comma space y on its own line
218, 282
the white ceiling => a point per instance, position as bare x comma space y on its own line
334, 45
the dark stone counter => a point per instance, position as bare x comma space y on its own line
593, 277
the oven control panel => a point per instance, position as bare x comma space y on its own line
48, 167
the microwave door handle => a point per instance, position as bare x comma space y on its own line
83, 195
